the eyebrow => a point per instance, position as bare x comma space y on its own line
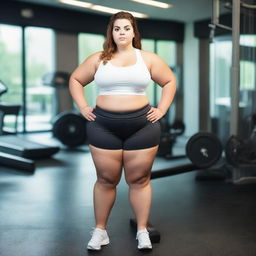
124, 26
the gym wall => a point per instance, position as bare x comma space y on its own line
66, 45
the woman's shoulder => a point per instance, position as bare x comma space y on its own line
148, 54
94, 57
92, 61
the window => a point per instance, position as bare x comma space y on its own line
247, 63
167, 51
247, 83
10, 68
220, 79
87, 45
220, 65
39, 61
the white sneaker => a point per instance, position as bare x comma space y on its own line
143, 239
99, 238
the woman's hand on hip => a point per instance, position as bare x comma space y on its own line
87, 113
154, 114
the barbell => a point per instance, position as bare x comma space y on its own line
203, 149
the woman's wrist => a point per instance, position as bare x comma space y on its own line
162, 111
83, 107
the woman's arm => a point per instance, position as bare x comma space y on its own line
83, 75
163, 76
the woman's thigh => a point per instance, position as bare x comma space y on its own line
108, 164
138, 164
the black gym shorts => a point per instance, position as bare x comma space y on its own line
128, 130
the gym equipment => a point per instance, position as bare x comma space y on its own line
62, 100
178, 127
235, 69
58, 78
239, 151
241, 159
232, 150
17, 162
187, 167
7, 109
70, 128
165, 146
19, 146
153, 233
243, 55
14, 150
204, 149
169, 134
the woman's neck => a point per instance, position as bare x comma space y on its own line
127, 48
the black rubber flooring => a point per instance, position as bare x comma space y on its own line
50, 213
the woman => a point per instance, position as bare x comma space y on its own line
123, 129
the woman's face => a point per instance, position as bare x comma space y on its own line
122, 32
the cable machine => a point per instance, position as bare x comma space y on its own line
248, 9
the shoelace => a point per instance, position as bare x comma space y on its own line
145, 234
96, 235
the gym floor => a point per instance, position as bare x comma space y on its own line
50, 213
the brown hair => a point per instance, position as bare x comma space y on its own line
109, 46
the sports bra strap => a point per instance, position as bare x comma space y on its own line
138, 56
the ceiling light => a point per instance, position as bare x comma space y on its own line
76, 3
248, 40
154, 3
101, 8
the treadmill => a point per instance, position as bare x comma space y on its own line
18, 152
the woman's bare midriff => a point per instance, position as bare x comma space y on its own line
121, 102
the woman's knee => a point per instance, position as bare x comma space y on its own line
107, 182
138, 180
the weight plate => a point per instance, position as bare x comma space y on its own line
238, 151
70, 129
232, 150
204, 149
178, 127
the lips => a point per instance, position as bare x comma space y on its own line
121, 38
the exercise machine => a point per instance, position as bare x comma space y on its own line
16, 151
169, 134
69, 126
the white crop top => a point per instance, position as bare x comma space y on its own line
132, 80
